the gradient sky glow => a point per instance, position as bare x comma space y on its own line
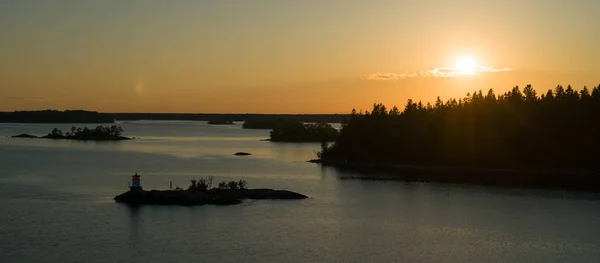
274, 56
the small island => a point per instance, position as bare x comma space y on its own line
100, 133
201, 192
221, 122
241, 154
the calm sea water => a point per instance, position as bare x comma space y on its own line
56, 206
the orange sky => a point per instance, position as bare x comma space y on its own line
265, 56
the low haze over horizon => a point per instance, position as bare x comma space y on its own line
269, 56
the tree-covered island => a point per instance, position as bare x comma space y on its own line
201, 192
516, 138
100, 133
297, 131
263, 123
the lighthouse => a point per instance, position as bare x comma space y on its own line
136, 184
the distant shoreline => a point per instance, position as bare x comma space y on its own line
77, 138
82, 116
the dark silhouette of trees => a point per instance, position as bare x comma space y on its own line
56, 133
99, 133
201, 185
232, 185
296, 131
54, 116
517, 129
220, 122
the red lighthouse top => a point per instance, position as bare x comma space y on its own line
136, 183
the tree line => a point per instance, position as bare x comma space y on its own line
558, 129
100, 132
55, 116
205, 184
296, 131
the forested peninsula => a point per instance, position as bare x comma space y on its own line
519, 131
297, 131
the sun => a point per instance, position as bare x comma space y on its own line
466, 65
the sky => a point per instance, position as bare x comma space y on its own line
274, 56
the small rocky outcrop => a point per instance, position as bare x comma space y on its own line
193, 198
24, 135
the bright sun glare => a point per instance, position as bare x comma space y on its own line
466, 65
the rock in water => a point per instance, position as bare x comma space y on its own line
241, 153
213, 196
24, 135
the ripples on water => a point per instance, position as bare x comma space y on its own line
56, 204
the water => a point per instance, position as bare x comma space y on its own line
56, 206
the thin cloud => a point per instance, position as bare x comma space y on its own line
436, 72
389, 76
499, 70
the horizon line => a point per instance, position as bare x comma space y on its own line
199, 113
